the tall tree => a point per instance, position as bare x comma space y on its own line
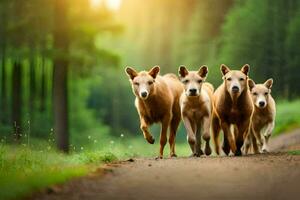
43, 86
60, 74
17, 100
3, 46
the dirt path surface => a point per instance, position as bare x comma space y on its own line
268, 176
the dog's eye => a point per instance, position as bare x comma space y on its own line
186, 81
136, 83
229, 79
266, 93
255, 93
242, 79
150, 82
199, 81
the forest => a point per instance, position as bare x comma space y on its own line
62, 62
63, 87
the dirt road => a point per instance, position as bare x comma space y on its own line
268, 176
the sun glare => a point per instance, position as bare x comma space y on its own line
111, 4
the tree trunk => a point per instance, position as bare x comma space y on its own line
17, 100
3, 42
3, 114
32, 86
60, 75
43, 87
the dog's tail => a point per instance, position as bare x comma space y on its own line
210, 86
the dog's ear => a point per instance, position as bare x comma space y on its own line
131, 72
251, 84
245, 69
154, 71
269, 83
203, 71
182, 71
224, 69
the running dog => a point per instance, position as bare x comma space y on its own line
157, 101
196, 108
233, 106
263, 119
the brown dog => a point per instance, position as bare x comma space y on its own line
233, 106
263, 119
157, 101
196, 108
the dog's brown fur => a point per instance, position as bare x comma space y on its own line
263, 119
233, 106
161, 105
196, 108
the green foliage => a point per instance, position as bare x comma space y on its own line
287, 117
24, 170
295, 152
263, 33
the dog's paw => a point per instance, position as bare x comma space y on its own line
173, 155
207, 150
265, 151
238, 152
198, 154
226, 150
158, 157
151, 140
192, 155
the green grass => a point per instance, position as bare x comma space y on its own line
24, 170
294, 152
287, 117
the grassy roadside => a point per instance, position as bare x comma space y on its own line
24, 170
294, 152
287, 117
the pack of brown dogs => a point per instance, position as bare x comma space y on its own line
243, 110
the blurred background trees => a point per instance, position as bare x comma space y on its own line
62, 61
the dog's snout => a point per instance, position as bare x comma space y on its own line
235, 89
261, 103
144, 94
193, 91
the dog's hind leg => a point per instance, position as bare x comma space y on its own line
173, 129
216, 132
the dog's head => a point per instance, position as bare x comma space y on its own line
192, 80
235, 80
143, 83
260, 92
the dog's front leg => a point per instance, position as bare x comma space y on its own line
197, 147
267, 135
206, 134
190, 134
163, 135
248, 142
228, 138
146, 133
243, 131
258, 138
